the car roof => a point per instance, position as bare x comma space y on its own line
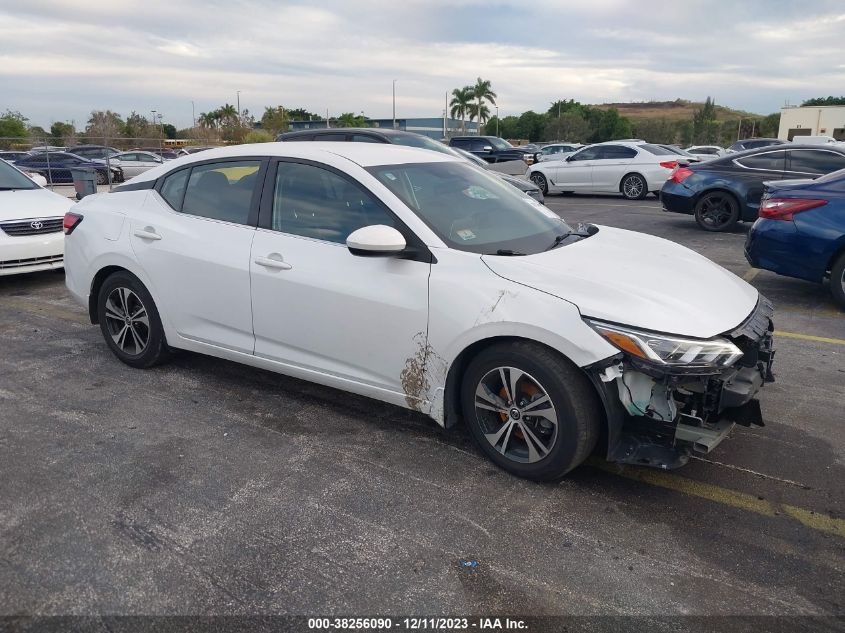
363, 154
352, 130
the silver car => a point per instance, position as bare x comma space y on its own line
134, 163
557, 151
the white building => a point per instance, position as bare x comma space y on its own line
812, 121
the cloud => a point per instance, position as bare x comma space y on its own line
60, 59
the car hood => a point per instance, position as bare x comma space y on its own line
638, 280
20, 204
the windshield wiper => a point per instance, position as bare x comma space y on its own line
558, 240
508, 252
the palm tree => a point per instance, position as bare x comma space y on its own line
482, 91
228, 113
207, 119
485, 114
460, 103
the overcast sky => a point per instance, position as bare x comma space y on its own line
60, 59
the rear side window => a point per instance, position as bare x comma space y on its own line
173, 188
617, 151
329, 137
811, 161
222, 191
364, 138
460, 142
769, 161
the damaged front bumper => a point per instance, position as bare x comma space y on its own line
659, 416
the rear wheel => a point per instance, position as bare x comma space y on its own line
129, 321
531, 411
540, 180
633, 187
837, 281
717, 211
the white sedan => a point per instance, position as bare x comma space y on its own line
631, 168
412, 277
30, 224
136, 162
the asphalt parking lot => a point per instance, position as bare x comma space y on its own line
206, 487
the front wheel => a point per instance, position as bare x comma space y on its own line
633, 187
540, 180
717, 211
531, 411
102, 178
837, 281
130, 322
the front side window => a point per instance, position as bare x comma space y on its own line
471, 210
588, 153
811, 161
314, 202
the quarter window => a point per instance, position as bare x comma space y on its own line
173, 188
222, 191
317, 203
815, 161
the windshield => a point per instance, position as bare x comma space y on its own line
499, 143
11, 178
471, 210
414, 140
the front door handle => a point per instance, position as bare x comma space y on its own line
274, 260
147, 233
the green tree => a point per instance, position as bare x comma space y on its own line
770, 125
350, 119
608, 125
301, 114
12, 128
570, 126
275, 120
482, 91
531, 125
656, 130
459, 106
62, 133
104, 124
228, 114
562, 106
169, 130
138, 126
824, 101
508, 127
705, 128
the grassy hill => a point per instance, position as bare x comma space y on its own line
677, 110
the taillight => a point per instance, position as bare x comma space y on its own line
669, 164
680, 174
785, 208
70, 222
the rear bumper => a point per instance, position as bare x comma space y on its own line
31, 253
676, 198
776, 245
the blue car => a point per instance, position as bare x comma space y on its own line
801, 231
727, 190
56, 166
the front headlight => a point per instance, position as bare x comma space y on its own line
663, 349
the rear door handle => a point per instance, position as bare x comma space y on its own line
274, 261
147, 233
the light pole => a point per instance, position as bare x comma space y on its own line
193, 114
497, 120
153, 117
394, 104
238, 93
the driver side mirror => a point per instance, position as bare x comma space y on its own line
487, 148
569, 158
377, 240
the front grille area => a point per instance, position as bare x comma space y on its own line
33, 226
30, 261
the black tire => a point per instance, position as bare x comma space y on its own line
113, 301
568, 193
575, 403
102, 178
633, 187
717, 211
837, 280
540, 180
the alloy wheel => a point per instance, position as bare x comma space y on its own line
633, 187
716, 211
127, 321
516, 414
540, 180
